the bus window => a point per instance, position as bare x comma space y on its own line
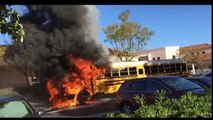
178, 67
161, 68
115, 72
173, 68
147, 69
140, 71
154, 68
183, 65
167, 68
124, 71
112, 80
132, 71
107, 74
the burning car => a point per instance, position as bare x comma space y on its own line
66, 51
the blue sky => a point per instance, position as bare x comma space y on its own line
174, 25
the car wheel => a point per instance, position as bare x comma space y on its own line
126, 108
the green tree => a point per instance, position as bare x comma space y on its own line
10, 23
127, 37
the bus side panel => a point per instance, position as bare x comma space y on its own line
112, 84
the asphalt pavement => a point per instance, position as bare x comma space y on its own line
99, 109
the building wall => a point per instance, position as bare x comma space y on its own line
157, 53
163, 53
10, 77
170, 51
208, 50
4, 78
150, 54
17, 78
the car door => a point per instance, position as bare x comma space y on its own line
133, 89
151, 89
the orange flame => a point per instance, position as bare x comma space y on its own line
82, 76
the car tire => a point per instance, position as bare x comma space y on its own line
127, 108
83, 96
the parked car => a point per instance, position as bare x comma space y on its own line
201, 81
15, 105
206, 74
174, 86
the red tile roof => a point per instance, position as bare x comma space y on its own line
207, 56
201, 46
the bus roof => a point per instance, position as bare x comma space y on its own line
165, 61
127, 64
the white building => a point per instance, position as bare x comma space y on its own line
168, 52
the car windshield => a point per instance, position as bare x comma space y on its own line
180, 84
15, 109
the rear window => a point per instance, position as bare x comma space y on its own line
205, 80
208, 81
135, 86
207, 74
180, 84
198, 83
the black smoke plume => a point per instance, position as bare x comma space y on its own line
55, 31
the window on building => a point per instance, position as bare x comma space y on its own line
158, 58
203, 52
173, 57
153, 58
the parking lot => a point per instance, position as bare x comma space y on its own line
98, 109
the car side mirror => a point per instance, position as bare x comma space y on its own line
41, 112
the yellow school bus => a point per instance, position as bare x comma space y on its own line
119, 72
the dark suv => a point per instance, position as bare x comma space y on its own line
174, 86
15, 105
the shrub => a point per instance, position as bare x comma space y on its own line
188, 106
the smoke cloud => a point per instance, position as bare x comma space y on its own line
55, 31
